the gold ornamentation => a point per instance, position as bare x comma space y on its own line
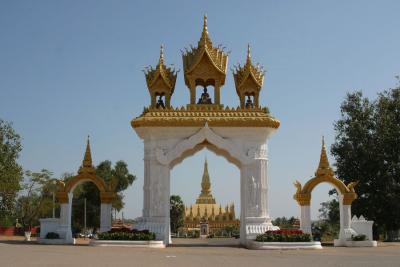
160, 80
198, 116
204, 65
248, 80
206, 203
86, 173
205, 195
324, 173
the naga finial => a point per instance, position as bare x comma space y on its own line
351, 186
297, 184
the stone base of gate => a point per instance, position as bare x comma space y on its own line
59, 241
258, 225
127, 243
155, 225
251, 244
350, 243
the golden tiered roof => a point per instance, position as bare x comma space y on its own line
205, 66
204, 51
248, 80
161, 79
248, 74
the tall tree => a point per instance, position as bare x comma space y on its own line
367, 149
176, 212
10, 171
329, 211
35, 200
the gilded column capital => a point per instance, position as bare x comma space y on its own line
62, 197
303, 199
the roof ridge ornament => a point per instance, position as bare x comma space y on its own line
87, 165
323, 166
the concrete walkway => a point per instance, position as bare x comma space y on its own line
195, 253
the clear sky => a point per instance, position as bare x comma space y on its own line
73, 68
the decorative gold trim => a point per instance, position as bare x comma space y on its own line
324, 173
197, 116
86, 172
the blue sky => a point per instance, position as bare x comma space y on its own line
73, 68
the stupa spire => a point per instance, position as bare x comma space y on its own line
205, 181
205, 195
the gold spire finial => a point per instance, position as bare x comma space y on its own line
161, 54
87, 165
323, 166
205, 39
205, 23
248, 54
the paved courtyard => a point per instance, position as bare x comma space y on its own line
192, 253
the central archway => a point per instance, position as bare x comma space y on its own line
169, 147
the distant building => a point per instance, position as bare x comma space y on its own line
206, 213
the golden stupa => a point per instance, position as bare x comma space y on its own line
206, 210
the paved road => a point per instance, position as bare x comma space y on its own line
17, 253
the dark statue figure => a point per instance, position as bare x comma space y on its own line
249, 103
205, 97
160, 103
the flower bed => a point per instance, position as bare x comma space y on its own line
284, 235
126, 234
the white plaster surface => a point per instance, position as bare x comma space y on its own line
246, 148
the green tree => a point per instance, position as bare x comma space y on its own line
367, 149
176, 213
10, 171
35, 200
283, 222
329, 211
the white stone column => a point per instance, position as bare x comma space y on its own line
105, 217
305, 219
254, 195
68, 211
156, 193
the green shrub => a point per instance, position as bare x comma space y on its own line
136, 235
52, 235
284, 236
358, 237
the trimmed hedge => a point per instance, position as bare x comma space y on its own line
284, 235
358, 237
127, 235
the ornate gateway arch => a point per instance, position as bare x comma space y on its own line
347, 195
172, 134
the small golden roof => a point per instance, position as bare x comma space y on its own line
214, 58
248, 77
161, 78
87, 166
323, 166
